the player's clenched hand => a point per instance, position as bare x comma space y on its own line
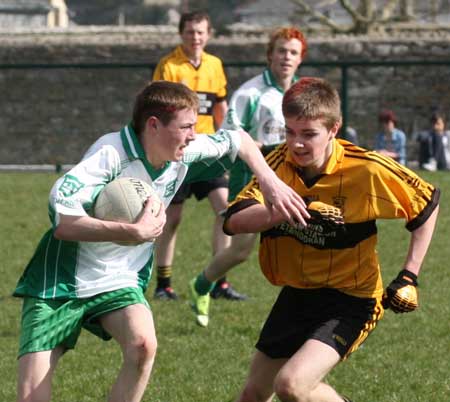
401, 294
326, 215
151, 224
278, 195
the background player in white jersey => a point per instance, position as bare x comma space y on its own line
79, 278
255, 107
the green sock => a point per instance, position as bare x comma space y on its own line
202, 285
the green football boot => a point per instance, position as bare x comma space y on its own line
200, 305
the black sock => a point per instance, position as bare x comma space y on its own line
164, 277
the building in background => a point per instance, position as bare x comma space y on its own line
32, 14
58, 16
24, 13
124, 12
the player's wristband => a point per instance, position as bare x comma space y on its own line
407, 277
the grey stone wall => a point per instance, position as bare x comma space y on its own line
51, 115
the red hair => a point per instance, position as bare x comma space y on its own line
386, 116
286, 33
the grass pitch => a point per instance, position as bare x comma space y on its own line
404, 360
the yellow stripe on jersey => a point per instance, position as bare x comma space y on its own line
368, 328
207, 80
365, 186
273, 159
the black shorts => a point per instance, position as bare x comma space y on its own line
200, 189
327, 315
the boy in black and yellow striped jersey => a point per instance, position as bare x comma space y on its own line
332, 291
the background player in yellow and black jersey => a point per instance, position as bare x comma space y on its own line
202, 72
332, 295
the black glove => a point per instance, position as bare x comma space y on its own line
401, 295
325, 215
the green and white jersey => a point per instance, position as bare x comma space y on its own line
256, 108
64, 269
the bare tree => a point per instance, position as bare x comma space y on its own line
366, 16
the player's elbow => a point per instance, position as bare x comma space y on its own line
61, 232
68, 227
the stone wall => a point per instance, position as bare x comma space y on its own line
51, 115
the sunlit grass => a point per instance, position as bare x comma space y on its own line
404, 360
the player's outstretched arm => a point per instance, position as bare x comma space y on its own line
419, 243
253, 219
86, 228
277, 194
401, 294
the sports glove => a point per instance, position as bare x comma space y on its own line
401, 295
325, 215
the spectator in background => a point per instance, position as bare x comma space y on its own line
351, 135
202, 72
390, 141
434, 152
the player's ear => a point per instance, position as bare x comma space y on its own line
152, 123
335, 129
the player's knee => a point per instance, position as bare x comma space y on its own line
287, 389
141, 352
172, 222
174, 214
240, 253
251, 393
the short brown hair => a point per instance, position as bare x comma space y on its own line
286, 33
196, 16
162, 99
313, 98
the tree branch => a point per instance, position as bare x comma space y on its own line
365, 16
347, 6
325, 3
319, 16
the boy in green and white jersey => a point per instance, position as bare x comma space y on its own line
256, 108
79, 278
84, 269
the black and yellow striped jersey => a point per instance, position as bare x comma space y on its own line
365, 186
207, 80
